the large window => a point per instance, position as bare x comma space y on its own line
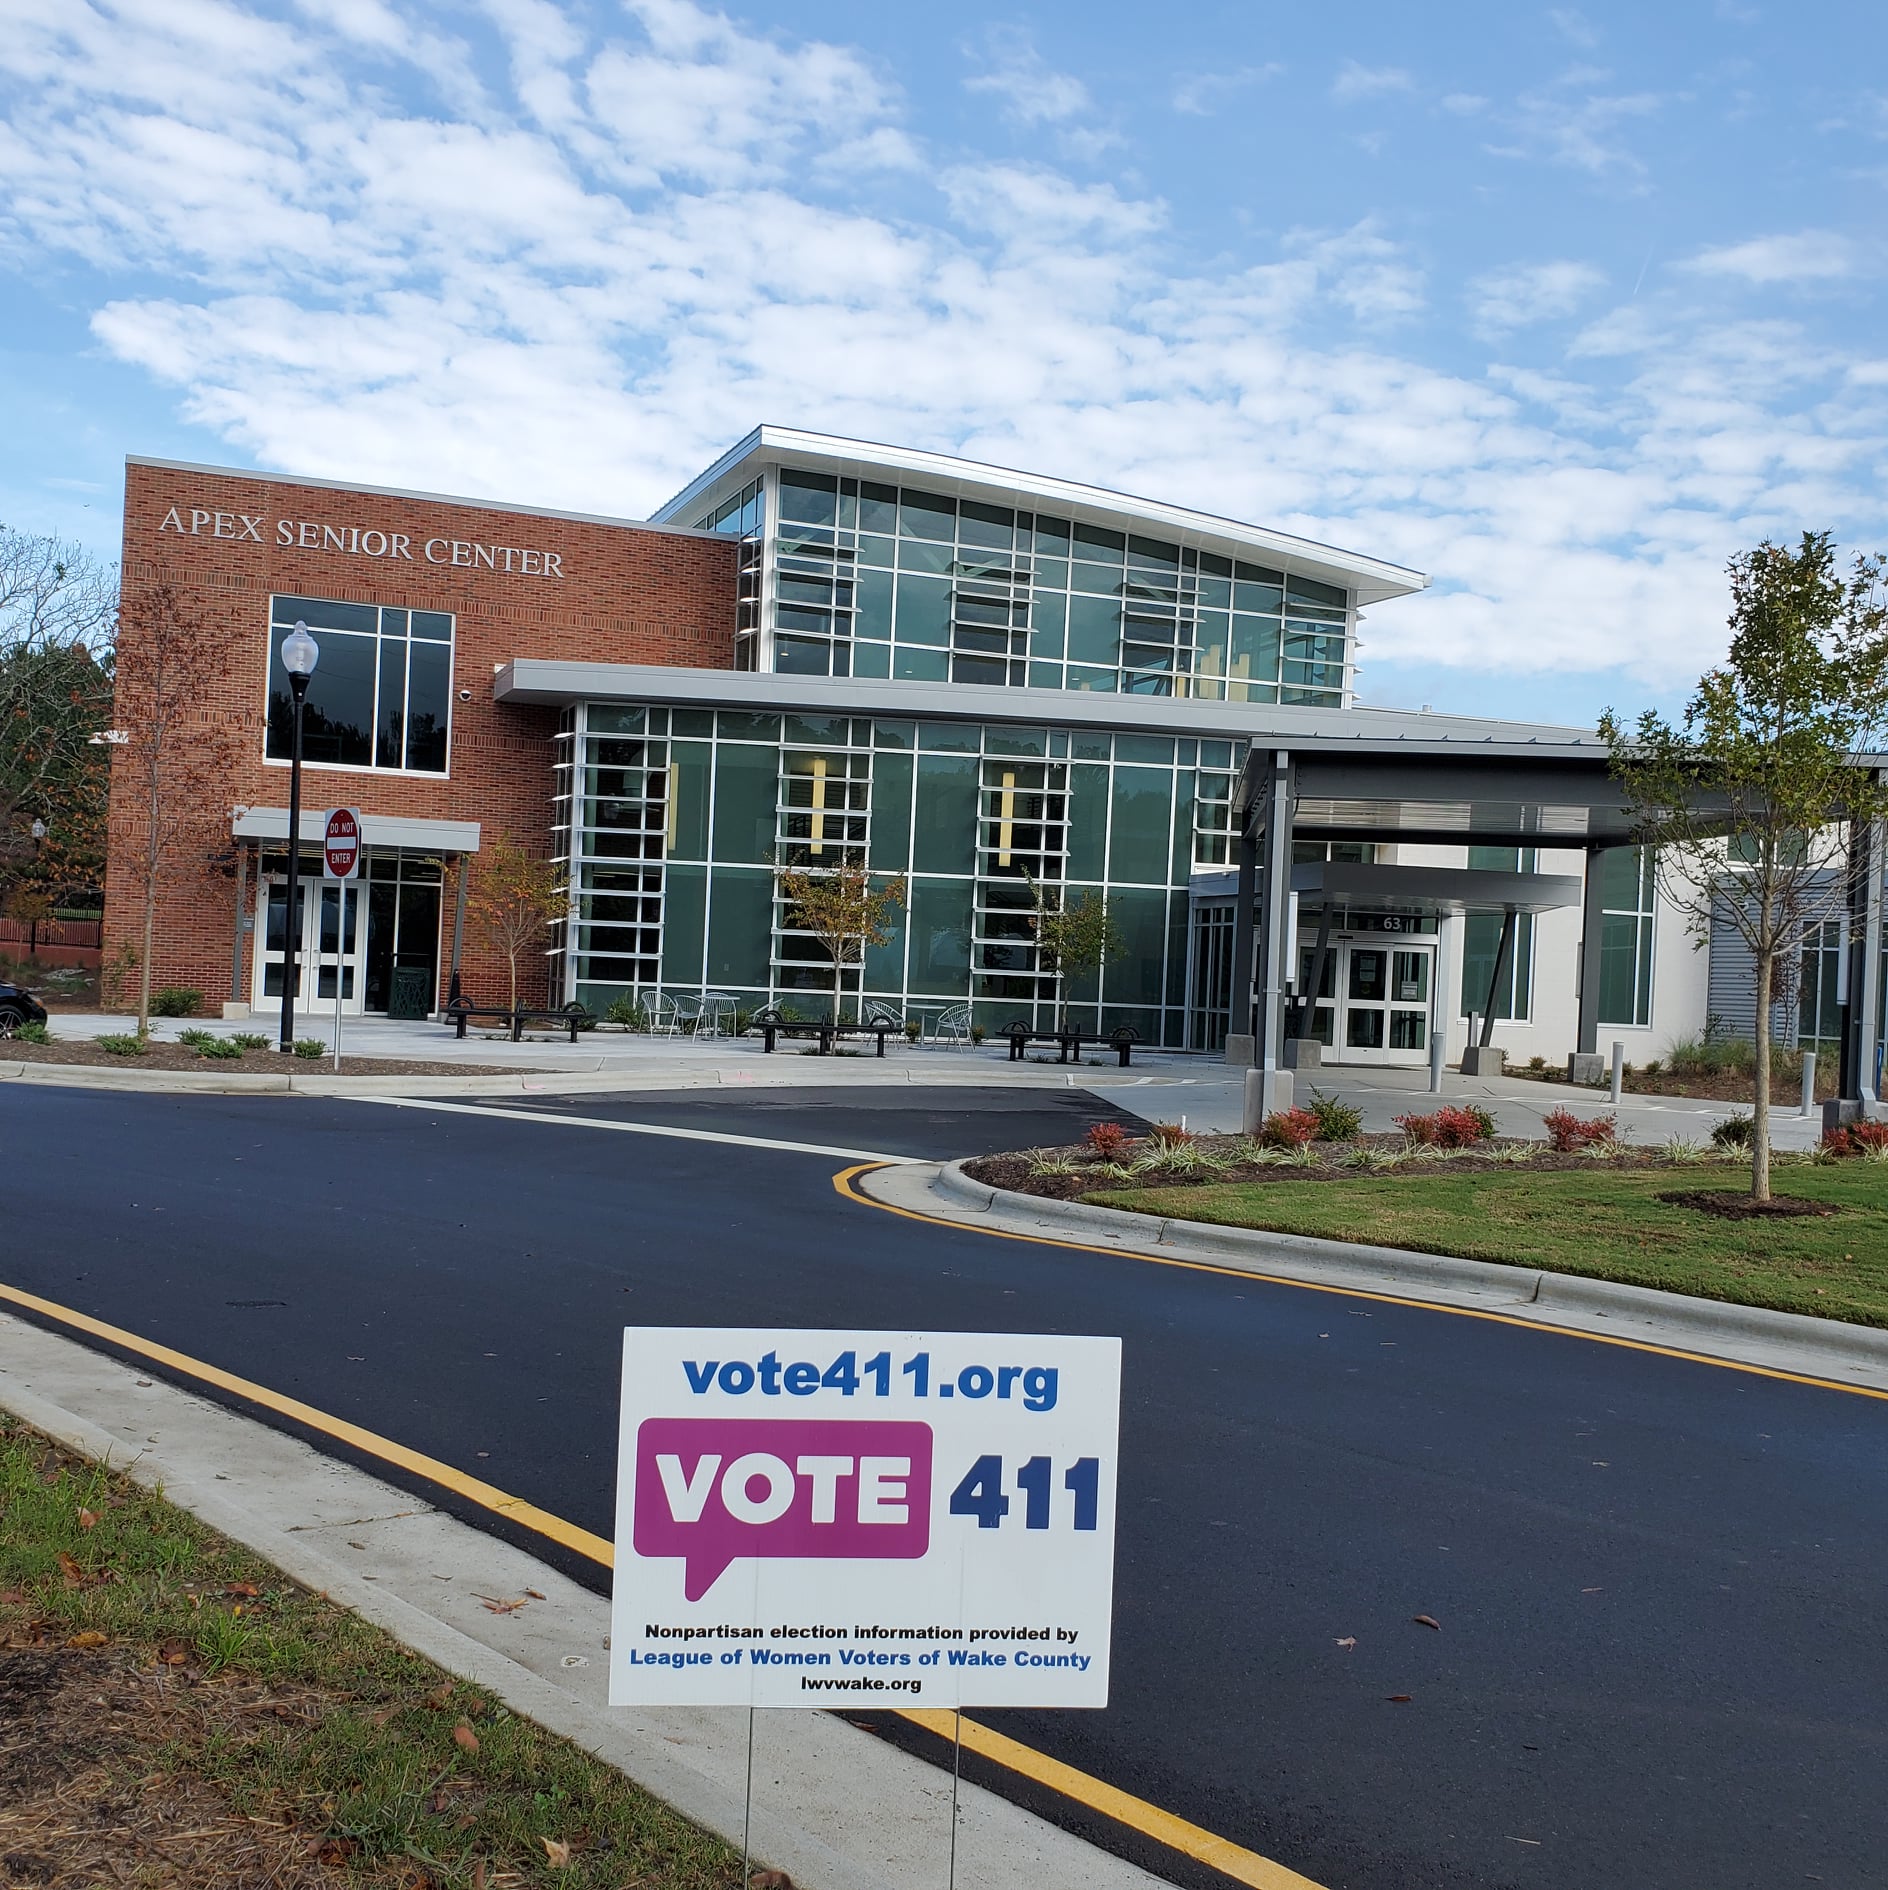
1627, 909
381, 694
876, 580
1481, 944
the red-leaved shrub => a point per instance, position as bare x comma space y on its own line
1856, 1138
1170, 1135
1288, 1128
1569, 1133
1106, 1140
1452, 1126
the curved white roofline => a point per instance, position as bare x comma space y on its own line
1372, 579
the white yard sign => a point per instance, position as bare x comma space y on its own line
836, 1518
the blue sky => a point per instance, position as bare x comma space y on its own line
1561, 305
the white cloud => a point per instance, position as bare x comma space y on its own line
1808, 256
1355, 82
570, 264
1573, 122
1464, 104
1201, 95
1033, 92
1574, 27
1505, 299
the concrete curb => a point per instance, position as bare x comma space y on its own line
1753, 1335
835, 1807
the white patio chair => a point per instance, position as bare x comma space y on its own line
665, 1016
953, 1027
715, 1017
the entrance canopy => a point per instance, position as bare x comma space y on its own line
1428, 891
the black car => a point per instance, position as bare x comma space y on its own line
18, 1007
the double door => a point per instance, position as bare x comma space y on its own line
1373, 1002
332, 943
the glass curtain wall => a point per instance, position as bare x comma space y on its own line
1628, 910
744, 517
888, 581
699, 807
1481, 941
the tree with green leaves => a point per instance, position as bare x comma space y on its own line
514, 897
1073, 936
1753, 800
845, 907
58, 607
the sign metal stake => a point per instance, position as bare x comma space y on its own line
957, 1766
747, 1804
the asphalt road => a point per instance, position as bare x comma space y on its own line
1661, 1661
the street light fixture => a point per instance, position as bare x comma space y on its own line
300, 653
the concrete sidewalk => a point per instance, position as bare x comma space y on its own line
834, 1807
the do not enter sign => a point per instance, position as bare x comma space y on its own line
341, 844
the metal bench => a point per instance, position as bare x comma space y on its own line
1121, 1040
573, 1017
773, 1026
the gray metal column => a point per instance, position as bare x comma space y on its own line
1239, 1046
1504, 950
236, 937
1865, 983
458, 928
1274, 942
1592, 930
1305, 1012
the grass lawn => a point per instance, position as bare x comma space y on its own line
1609, 1225
175, 1712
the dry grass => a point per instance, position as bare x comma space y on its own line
176, 1714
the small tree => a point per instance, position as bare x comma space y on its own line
1744, 801
173, 761
513, 899
30, 906
844, 908
1072, 936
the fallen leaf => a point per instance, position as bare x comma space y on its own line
335, 1850
436, 1700
771, 1880
173, 1653
502, 1607
465, 1738
533, 1593
478, 1866
1399, 1699
90, 1638
12, 1598
557, 1851
88, 1519
1426, 1620
380, 1718
242, 1588
71, 1570
1348, 1642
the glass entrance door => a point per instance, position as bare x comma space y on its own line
332, 943
1386, 1001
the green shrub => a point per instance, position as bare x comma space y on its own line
1337, 1122
628, 1012
250, 1040
195, 1038
217, 1049
32, 1033
123, 1044
977, 1033
1732, 1132
176, 1000
308, 1048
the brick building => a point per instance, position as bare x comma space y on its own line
415, 602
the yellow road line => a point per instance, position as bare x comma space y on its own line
845, 1181
485, 1495
1175, 1833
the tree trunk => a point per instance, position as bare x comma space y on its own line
144, 961
1760, 1104
511, 957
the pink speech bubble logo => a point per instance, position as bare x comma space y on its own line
712, 1490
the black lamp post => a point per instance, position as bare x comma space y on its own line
299, 654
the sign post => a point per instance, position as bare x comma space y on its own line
848, 1518
340, 864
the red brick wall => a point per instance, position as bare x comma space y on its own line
623, 594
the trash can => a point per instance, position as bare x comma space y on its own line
412, 994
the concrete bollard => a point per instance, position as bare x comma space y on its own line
1809, 1082
1266, 1093
1438, 1060
1619, 1072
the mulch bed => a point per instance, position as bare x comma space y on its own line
180, 1056
1728, 1205
1012, 1170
